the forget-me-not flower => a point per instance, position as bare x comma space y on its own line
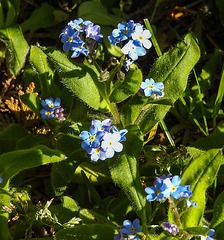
111, 142
209, 235
104, 126
177, 191
189, 203
93, 32
131, 228
121, 132
142, 35
97, 153
92, 138
45, 114
159, 192
51, 104
79, 24
133, 49
150, 87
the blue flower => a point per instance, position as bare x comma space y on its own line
133, 49
51, 104
189, 203
171, 228
111, 142
142, 35
159, 192
124, 29
121, 132
150, 87
97, 153
114, 39
119, 236
127, 64
79, 48
209, 235
177, 191
46, 113
104, 126
69, 37
92, 138
93, 32
1, 180
130, 228
79, 24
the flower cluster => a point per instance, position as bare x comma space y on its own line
171, 228
150, 87
166, 186
52, 109
80, 37
100, 142
136, 39
128, 228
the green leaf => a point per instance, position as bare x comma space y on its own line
90, 217
66, 210
197, 230
218, 215
130, 86
220, 7
40, 18
92, 231
214, 140
12, 163
2, 24
173, 69
97, 13
38, 60
124, 170
17, 48
80, 79
9, 137
200, 175
32, 102
5, 198
13, 11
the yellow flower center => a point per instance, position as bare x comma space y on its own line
140, 37
98, 150
102, 128
125, 31
151, 87
132, 229
92, 138
110, 143
70, 39
81, 25
205, 236
48, 113
158, 191
51, 105
173, 189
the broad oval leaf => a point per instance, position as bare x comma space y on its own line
17, 47
92, 231
12, 163
173, 69
128, 87
79, 79
200, 175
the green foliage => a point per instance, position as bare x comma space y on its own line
173, 69
17, 47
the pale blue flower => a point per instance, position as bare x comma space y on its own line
133, 49
111, 142
131, 228
69, 37
51, 104
150, 87
93, 32
97, 153
209, 235
45, 114
159, 192
104, 126
142, 35
79, 24
121, 132
92, 138
79, 48
189, 203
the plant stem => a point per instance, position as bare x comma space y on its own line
201, 104
163, 126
